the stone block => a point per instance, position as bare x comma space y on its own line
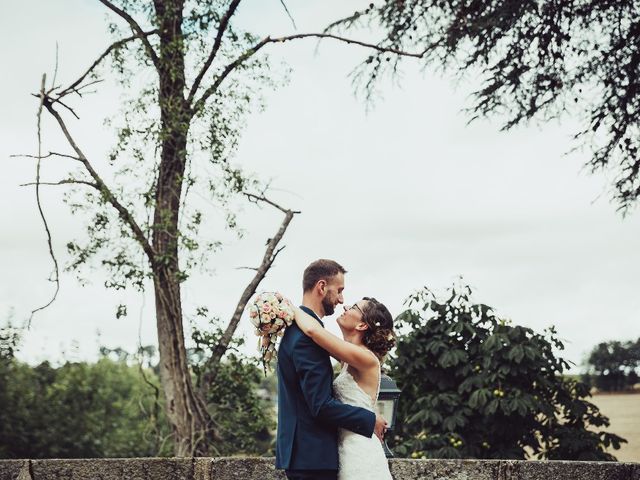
114, 469
202, 469
252, 468
404, 469
565, 470
244, 468
12, 469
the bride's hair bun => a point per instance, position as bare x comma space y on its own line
379, 337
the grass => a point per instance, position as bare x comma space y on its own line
624, 412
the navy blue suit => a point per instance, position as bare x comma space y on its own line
308, 415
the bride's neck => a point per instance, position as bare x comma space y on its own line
354, 337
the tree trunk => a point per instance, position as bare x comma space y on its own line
185, 410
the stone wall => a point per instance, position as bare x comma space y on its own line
262, 469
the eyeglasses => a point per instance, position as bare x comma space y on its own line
356, 307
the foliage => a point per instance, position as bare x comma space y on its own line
113, 408
144, 123
535, 60
244, 418
190, 77
78, 410
614, 365
476, 386
239, 400
9, 341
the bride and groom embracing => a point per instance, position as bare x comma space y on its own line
328, 428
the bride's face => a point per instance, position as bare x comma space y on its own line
351, 319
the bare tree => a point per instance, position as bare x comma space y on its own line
142, 226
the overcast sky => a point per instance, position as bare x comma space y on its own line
404, 194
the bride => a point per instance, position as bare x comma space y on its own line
367, 329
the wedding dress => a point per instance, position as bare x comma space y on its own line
359, 457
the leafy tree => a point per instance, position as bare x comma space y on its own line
238, 402
78, 410
113, 408
612, 365
201, 74
535, 60
245, 420
476, 386
9, 341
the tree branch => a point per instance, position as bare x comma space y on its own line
50, 154
73, 87
269, 257
135, 28
199, 104
261, 198
348, 21
124, 213
57, 100
43, 98
350, 41
247, 268
293, 22
224, 22
63, 182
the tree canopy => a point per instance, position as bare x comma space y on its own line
614, 365
535, 60
476, 386
114, 408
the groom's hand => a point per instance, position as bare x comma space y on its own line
381, 427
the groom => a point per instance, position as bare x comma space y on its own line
308, 415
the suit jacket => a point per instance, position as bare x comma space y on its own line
308, 414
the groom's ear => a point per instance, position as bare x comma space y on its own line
322, 286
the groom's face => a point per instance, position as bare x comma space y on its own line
333, 294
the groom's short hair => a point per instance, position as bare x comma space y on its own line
322, 269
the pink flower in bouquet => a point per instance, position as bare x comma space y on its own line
270, 314
254, 316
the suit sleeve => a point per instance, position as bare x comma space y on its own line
310, 362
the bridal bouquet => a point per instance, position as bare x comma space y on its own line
270, 313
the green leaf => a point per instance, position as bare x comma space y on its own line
482, 388
492, 407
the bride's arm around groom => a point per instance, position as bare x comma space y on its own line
308, 414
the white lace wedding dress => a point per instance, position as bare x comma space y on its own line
360, 457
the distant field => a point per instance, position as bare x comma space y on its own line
624, 412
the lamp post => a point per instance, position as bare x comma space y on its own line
387, 406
